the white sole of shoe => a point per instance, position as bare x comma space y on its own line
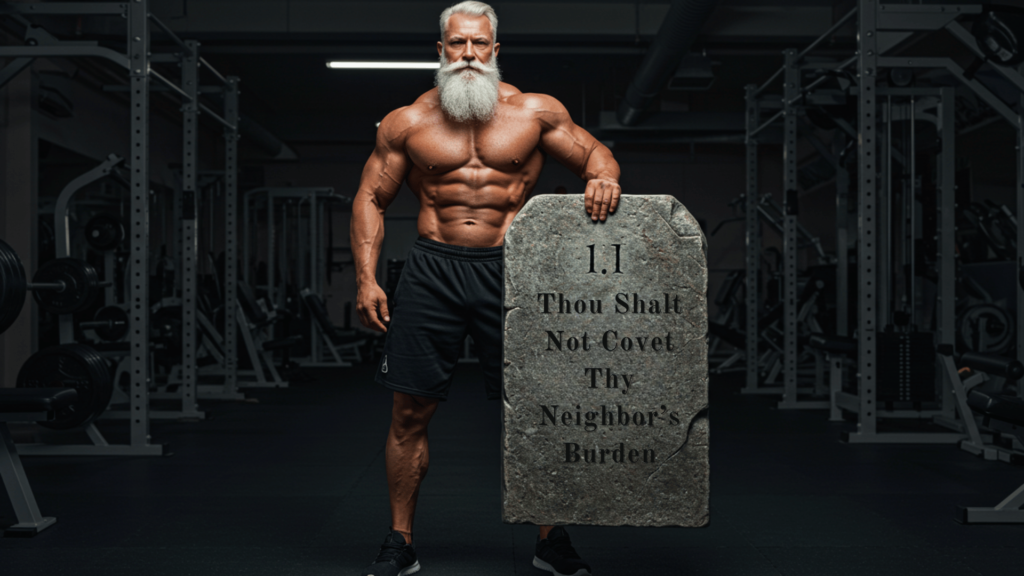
411, 569
538, 563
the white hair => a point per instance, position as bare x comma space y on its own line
470, 8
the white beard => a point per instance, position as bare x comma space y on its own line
468, 95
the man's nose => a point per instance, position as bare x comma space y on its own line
467, 53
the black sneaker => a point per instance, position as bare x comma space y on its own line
556, 555
396, 558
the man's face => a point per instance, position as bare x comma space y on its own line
468, 38
468, 80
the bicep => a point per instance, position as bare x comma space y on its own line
565, 141
383, 174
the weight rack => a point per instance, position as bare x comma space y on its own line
880, 28
136, 60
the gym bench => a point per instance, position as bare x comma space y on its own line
998, 411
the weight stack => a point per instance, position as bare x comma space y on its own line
906, 367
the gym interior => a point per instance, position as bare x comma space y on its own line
186, 386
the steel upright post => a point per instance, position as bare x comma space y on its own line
883, 200
246, 241
272, 244
314, 247
1020, 234
231, 236
946, 232
138, 59
867, 225
189, 242
790, 241
910, 210
842, 258
753, 244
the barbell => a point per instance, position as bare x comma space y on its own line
61, 286
110, 323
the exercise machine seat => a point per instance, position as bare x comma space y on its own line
998, 406
996, 365
27, 400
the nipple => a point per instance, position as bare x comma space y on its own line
515, 161
431, 167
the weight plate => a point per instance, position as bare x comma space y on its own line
70, 366
104, 232
118, 317
104, 375
985, 328
81, 286
12, 286
998, 34
103, 370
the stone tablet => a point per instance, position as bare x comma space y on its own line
605, 409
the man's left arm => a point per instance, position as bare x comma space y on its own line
579, 151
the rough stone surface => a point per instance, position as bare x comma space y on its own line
551, 394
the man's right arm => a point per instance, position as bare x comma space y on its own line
382, 177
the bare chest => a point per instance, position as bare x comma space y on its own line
506, 143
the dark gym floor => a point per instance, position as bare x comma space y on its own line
294, 485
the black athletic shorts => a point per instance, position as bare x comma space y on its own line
444, 293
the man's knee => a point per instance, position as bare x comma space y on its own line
411, 413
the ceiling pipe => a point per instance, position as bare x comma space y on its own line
677, 33
258, 135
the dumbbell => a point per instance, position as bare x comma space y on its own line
110, 323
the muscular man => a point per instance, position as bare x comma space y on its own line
471, 150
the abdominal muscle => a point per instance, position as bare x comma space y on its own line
472, 209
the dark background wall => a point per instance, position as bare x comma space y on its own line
583, 53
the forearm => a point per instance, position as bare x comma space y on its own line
601, 164
367, 237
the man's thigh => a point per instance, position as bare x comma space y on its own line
425, 335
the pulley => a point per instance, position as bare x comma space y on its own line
1000, 35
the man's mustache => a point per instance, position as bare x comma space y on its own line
464, 64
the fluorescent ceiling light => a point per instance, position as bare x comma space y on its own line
339, 65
